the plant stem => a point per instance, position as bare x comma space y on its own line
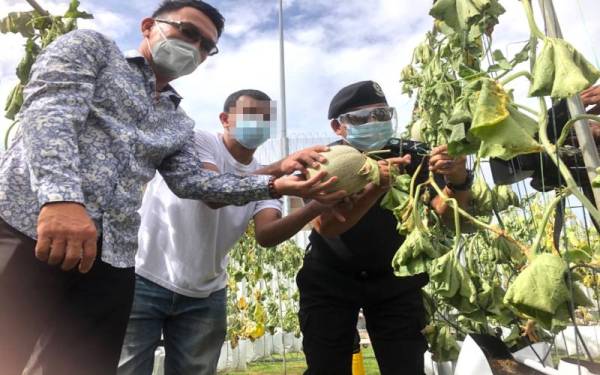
415, 213
456, 224
564, 170
549, 209
499, 232
516, 75
38, 8
527, 109
565, 131
468, 216
7, 134
535, 31
411, 190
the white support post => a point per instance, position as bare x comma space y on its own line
584, 134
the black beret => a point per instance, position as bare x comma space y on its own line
355, 95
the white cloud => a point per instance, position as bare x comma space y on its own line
108, 23
326, 48
328, 45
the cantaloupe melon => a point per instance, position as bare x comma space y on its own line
353, 169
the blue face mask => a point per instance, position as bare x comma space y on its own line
369, 136
251, 133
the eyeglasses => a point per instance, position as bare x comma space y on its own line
191, 32
363, 116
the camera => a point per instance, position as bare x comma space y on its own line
418, 151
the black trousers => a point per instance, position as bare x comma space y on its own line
329, 304
61, 323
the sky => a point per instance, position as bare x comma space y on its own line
328, 44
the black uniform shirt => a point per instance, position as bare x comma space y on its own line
368, 247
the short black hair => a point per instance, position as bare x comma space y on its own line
208, 10
233, 98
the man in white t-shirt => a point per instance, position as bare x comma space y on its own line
183, 244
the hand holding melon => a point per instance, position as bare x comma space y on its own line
354, 170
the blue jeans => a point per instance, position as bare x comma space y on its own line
193, 330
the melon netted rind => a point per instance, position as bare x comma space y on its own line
352, 168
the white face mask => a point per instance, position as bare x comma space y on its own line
174, 58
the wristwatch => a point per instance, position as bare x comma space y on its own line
465, 185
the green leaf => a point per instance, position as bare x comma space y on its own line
501, 60
523, 54
452, 282
18, 22
503, 130
445, 11
442, 343
460, 15
398, 193
560, 71
461, 142
482, 197
540, 289
467, 72
504, 197
24, 67
507, 251
74, 12
416, 252
577, 256
14, 102
596, 180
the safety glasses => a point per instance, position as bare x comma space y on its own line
363, 116
190, 31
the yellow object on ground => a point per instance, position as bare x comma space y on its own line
358, 366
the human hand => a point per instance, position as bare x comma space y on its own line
591, 96
305, 158
386, 166
453, 169
66, 236
312, 188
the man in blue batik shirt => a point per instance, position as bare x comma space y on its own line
95, 127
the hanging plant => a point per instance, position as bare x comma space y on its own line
39, 28
505, 271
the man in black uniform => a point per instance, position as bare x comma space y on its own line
348, 264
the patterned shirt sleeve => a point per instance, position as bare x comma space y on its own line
185, 177
55, 109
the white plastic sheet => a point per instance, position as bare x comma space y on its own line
471, 360
437, 368
566, 368
565, 340
538, 349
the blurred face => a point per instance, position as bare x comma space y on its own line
193, 27
248, 108
250, 121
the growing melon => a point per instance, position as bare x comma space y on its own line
353, 169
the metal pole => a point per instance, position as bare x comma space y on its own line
582, 129
285, 150
283, 139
